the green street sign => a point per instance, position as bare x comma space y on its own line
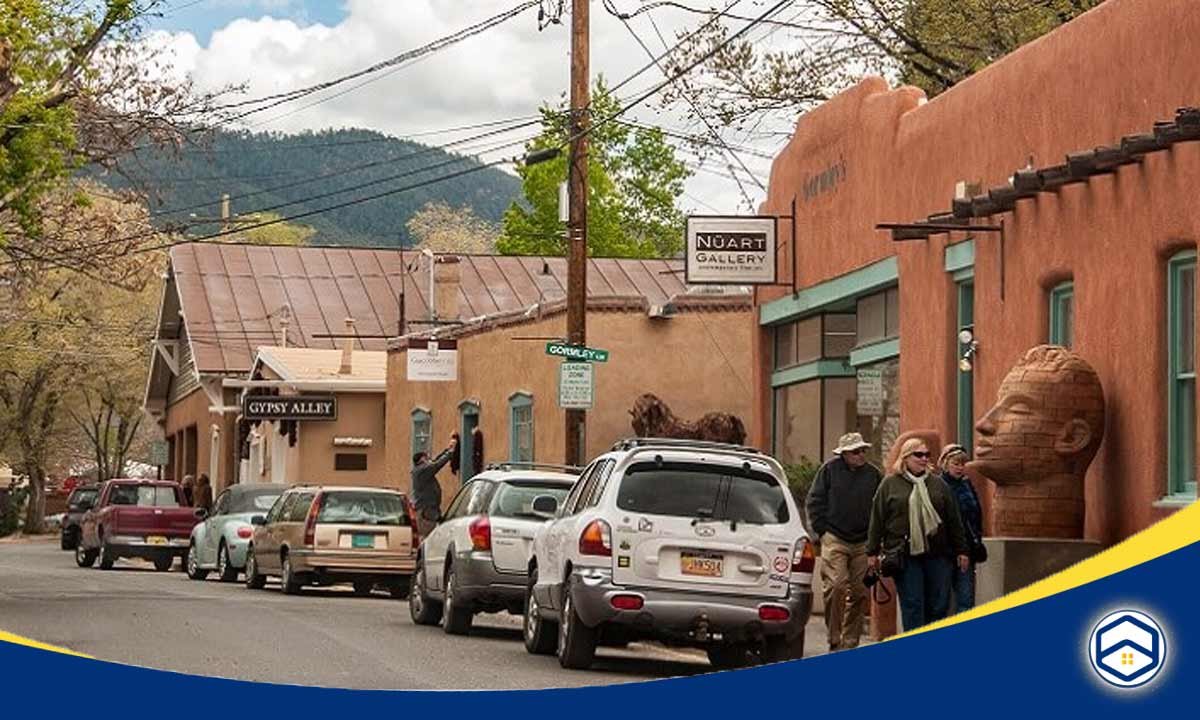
576, 352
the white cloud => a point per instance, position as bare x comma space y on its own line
507, 71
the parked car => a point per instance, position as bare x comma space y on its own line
327, 535
477, 558
689, 543
136, 518
220, 540
81, 500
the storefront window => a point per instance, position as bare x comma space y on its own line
1062, 315
798, 422
840, 335
841, 414
878, 317
1181, 309
798, 342
878, 407
422, 427
891, 315
520, 408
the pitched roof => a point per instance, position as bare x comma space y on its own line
310, 365
234, 296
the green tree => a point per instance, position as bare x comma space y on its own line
634, 180
281, 233
932, 44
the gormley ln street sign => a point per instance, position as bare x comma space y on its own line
576, 352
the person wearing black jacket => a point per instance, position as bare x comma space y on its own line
839, 512
426, 491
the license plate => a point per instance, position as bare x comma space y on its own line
156, 540
363, 541
702, 564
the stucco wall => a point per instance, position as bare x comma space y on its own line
697, 362
360, 415
1112, 72
193, 410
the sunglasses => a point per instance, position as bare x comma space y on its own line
860, 451
922, 455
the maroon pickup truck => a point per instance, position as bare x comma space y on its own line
136, 518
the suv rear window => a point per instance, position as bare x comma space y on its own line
514, 498
144, 496
703, 490
363, 508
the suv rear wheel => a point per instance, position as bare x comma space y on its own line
422, 609
541, 635
576, 641
254, 581
456, 620
288, 582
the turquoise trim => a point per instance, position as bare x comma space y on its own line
960, 256
863, 281
1180, 437
811, 371
1061, 323
873, 353
515, 401
965, 275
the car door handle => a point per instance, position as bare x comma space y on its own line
752, 569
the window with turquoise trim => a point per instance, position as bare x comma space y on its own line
1181, 374
966, 382
422, 430
1062, 314
520, 433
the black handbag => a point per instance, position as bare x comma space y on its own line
893, 560
978, 551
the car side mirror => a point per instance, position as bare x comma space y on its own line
201, 514
258, 520
545, 506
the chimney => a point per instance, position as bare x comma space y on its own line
447, 274
347, 365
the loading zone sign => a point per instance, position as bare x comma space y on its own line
576, 385
729, 250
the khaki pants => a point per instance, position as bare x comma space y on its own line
843, 566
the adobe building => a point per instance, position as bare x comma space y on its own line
688, 346
336, 437
1049, 199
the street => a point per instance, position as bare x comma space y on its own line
326, 637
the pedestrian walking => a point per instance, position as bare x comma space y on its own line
839, 512
426, 491
953, 463
204, 493
189, 490
916, 536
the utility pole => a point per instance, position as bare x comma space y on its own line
224, 212
577, 193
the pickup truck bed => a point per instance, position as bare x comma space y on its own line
136, 518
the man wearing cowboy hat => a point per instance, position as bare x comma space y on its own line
839, 512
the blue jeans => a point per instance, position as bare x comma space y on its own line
964, 589
924, 589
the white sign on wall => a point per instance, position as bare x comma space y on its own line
730, 250
870, 391
576, 385
435, 362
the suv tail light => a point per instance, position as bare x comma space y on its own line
480, 531
627, 602
803, 557
773, 613
596, 539
310, 524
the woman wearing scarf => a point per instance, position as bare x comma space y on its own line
915, 515
953, 462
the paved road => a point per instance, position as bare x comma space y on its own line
325, 637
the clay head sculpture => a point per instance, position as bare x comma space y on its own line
1037, 442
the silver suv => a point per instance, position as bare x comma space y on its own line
685, 542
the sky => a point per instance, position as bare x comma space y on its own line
271, 46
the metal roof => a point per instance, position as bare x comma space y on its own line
233, 297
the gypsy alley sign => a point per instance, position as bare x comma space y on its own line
730, 250
299, 407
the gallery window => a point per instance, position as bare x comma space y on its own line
520, 430
1062, 314
422, 430
1181, 375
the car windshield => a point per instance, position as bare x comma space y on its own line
254, 501
363, 508
82, 496
514, 498
144, 496
703, 491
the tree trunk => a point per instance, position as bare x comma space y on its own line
35, 511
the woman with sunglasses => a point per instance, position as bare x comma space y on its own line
916, 525
953, 464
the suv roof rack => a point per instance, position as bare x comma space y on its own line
636, 442
534, 466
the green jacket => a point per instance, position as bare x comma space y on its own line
889, 517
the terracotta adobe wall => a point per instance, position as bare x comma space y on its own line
1111, 72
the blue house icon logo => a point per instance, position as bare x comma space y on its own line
1127, 648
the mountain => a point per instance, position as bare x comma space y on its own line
263, 171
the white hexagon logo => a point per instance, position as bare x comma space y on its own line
1127, 648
